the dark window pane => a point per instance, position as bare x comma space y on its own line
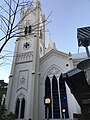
48, 95
17, 108
22, 108
63, 97
56, 107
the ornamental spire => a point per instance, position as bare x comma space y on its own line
35, 1
22, 12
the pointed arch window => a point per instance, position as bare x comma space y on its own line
17, 108
63, 97
40, 33
22, 108
56, 107
28, 29
48, 95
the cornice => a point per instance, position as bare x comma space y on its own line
24, 57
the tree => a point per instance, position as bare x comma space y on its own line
4, 116
8, 17
3, 90
2, 110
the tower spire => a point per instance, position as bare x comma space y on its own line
35, 1
22, 12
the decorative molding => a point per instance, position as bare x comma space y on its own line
20, 96
23, 80
11, 75
50, 72
54, 71
24, 57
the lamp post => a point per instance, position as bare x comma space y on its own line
47, 102
63, 111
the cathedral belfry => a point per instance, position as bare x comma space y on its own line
24, 78
36, 71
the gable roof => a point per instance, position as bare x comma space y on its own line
54, 52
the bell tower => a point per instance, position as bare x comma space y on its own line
22, 96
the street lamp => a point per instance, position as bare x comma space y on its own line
63, 111
47, 102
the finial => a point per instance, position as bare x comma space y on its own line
22, 9
50, 41
22, 12
35, 1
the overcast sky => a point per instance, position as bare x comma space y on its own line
66, 17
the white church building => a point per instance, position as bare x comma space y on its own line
36, 73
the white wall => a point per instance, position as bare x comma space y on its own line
55, 60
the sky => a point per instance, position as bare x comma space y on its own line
66, 17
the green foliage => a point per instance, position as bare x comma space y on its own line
2, 110
3, 89
4, 116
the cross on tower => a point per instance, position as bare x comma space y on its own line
26, 45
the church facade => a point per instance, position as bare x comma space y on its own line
36, 73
